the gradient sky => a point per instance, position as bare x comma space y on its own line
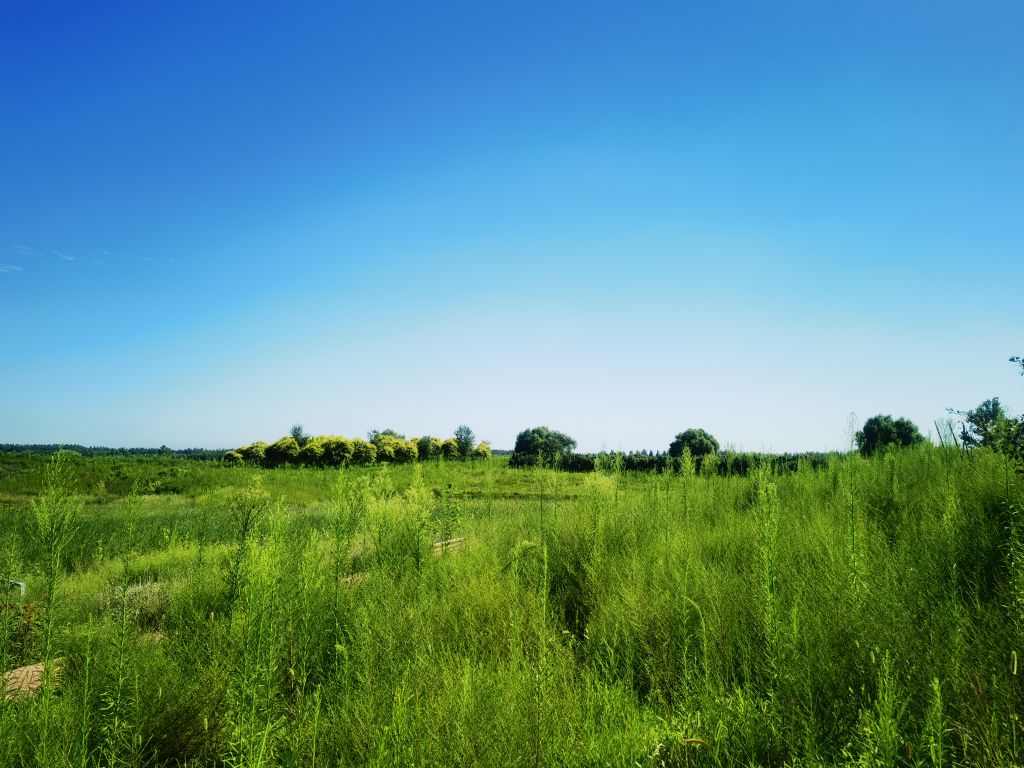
616, 220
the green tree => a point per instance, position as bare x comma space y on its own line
699, 442
464, 438
373, 434
989, 426
298, 434
482, 451
541, 446
429, 447
882, 430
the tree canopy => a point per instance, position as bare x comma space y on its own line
882, 430
699, 442
464, 438
541, 446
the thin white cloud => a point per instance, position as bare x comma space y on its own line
10, 268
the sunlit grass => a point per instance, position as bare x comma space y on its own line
867, 613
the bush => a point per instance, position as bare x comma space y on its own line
482, 451
312, 453
363, 453
254, 453
450, 449
406, 451
385, 445
337, 451
233, 458
284, 451
429, 447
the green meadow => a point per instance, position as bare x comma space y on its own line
864, 611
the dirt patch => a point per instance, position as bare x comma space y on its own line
25, 682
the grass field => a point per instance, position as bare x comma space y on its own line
867, 613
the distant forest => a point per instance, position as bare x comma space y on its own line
203, 454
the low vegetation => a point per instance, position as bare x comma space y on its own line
859, 611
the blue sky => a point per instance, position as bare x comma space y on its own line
620, 221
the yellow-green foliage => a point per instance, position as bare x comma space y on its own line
337, 451
254, 453
233, 458
450, 449
428, 448
385, 445
312, 453
284, 451
406, 451
482, 451
363, 452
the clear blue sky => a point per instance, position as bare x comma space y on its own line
617, 220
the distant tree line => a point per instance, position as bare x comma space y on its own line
693, 451
381, 447
202, 454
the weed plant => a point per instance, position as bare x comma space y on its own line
865, 612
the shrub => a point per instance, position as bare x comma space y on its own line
284, 451
254, 453
482, 451
450, 449
363, 452
233, 458
429, 447
312, 453
337, 451
385, 445
406, 451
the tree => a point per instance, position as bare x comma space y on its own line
464, 438
482, 451
428, 447
880, 431
541, 446
699, 442
989, 426
298, 434
373, 434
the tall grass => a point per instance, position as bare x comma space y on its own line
865, 613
